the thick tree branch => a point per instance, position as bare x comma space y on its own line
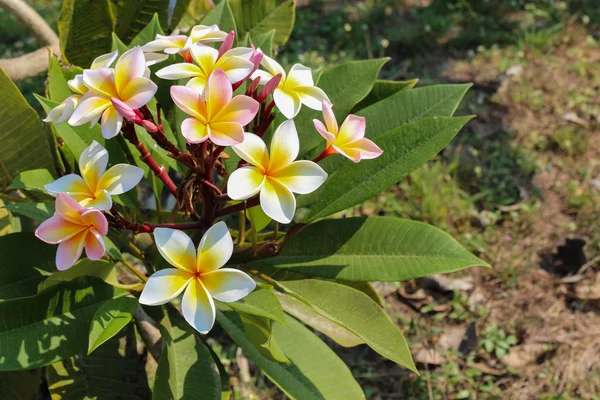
32, 20
28, 65
148, 329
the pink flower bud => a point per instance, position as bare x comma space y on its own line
149, 126
126, 111
227, 44
269, 88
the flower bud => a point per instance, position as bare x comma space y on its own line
126, 111
227, 44
149, 126
269, 88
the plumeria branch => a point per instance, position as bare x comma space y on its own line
117, 221
238, 207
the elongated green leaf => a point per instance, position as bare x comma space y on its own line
35, 211
33, 179
258, 331
25, 261
404, 149
45, 328
57, 89
310, 317
110, 319
113, 371
20, 385
264, 41
222, 16
25, 143
315, 372
262, 302
373, 249
256, 17
382, 90
148, 33
356, 312
186, 369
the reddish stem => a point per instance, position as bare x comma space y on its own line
326, 153
117, 221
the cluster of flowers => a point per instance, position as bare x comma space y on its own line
119, 95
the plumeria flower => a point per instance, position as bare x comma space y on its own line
180, 44
64, 110
127, 83
349, 140
275, 177
198, 273
235, 63
218, 118
294, 89
93, 189
74, 228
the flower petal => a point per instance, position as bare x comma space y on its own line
330, 137
70, 184
352, 129
89, 109
241, 109
245, 182
131, 65
218, 93
254, 150
105, 60
287, 102
68, 208
206, 34
96, 220
299, 75
69, 251
215, 248
236, 68
163, 42
154, 58
101, 81
138, 92
228, 284
190, 101
179, 71
177, 248
63, 111
92, 163
226, 133
285, 145
94, 245
111, 123
100, 200
301, 177
272, 66
311, 96
164, 285
197, 83
57, 229
263, 75
277, 201
329, 117
204, 56
198, 307
194, 131
120, 178
368, 149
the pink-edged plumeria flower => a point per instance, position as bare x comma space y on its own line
93, 189
349, 140
198, 273
74, 228
235, 63
64, 110
275, 177
128, 83
218, 118
180, 44
295, 88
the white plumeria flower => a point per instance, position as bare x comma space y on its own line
294, 89
128, 82
235, 63
180, 44
64, 110
198, 273
275, 177
93, 189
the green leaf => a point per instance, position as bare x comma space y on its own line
404, 149
117, 44
45, 328
256, 17
382, 90
26, 261
264, 41
148, 33
35, 211
310, 317
315, 371
262, 302
20, 385
222, 16
34, 179
372, 249
258, 331
84, 29
58, 89
186, 368
113, 371
356, 312
258, 218
25, 143
110, 319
